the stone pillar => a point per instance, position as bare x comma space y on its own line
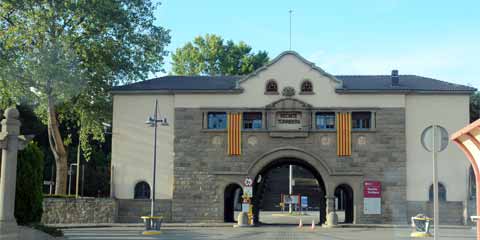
9, 143
332, 218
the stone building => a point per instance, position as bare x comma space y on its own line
348, 131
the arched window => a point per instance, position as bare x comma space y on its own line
442, 193
271, 87
472, 185
306, 87
142, 190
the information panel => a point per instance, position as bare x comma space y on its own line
372, 197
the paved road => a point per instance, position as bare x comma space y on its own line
261, 233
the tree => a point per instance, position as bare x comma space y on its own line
65, 55
29, 194
474, 106
210, 55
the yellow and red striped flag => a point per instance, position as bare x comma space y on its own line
344, 134
234, 133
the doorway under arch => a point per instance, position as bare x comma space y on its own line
344, 202
261, 184
232, 201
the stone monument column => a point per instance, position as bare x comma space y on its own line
332, 218
10, 143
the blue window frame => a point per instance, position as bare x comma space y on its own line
217, 120
361, 120
325, 120
252, 120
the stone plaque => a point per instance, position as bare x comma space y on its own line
289, 120
325, 140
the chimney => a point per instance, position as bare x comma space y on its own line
395, 78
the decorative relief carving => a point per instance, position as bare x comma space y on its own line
288, 91
362, 140
325, 140
217, 140
252, 141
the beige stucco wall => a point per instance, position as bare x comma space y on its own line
132, 151
452, 113
289, 71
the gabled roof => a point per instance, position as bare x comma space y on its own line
345, 83
351, 84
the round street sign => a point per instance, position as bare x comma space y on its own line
248, 181
441, 138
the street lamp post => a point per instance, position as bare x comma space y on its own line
153, 122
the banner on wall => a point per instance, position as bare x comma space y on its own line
372, 197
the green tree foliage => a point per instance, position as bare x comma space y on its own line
63, 56
211, 55
29, 196
474, 106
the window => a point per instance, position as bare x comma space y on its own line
442, 193
472, 185
252, 120
142, 190
325, 120
361, 120
217, 120
271, 87
306, 87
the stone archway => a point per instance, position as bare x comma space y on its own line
231, 198
345, 201
293, 156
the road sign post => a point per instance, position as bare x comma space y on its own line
435, 139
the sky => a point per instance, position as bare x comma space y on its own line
438, 39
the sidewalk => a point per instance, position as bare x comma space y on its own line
215, 225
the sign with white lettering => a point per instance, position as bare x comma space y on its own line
372, 197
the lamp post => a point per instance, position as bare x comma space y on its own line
153, 122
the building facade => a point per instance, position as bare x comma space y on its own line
348, 131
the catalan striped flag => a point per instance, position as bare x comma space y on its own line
344, 134
234, 133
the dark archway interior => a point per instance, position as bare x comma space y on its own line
344, 198
261, 184
232, 201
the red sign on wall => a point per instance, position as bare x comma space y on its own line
372, 189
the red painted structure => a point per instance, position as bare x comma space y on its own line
468, 139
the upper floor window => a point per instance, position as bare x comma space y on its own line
271, 87
325, 120
442, 193
361, 120
252, 120
217, 120
306, 87
142, 191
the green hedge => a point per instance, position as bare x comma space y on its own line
29, 196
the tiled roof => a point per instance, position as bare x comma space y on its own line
351, 83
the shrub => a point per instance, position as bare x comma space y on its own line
29, 196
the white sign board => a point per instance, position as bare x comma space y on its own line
248, 191
245, 207
372, 206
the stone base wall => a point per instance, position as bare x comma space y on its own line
130, 210
82, 210
451, 213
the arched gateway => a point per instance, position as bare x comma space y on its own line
289, 156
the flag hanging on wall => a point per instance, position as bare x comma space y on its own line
344, 134
234, 133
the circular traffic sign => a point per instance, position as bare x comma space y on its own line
441, 138
248, 181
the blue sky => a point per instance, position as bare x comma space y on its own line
439, 39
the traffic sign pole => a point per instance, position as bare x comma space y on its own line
435, 184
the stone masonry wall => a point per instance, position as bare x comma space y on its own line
82, 210
200, 154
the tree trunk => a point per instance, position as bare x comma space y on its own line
58, 149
